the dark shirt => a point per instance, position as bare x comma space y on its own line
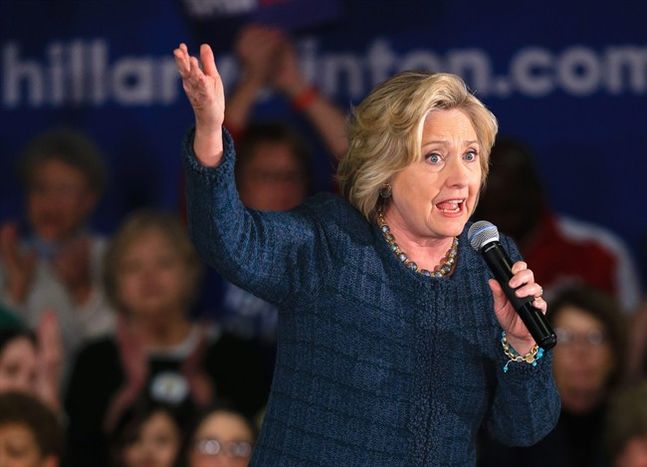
576, 441
233, 365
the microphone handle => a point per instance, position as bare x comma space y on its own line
501, 266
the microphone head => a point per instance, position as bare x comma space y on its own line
481, 233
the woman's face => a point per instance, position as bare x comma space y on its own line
272, 179
152, 277
227, 431
18, 448
18, 366
157, 445
583, 358
434, 197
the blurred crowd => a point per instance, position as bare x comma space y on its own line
105, 362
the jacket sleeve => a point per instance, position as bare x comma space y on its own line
274, 255
526, 404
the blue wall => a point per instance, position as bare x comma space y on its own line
570, 78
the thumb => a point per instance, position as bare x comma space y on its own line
497, 293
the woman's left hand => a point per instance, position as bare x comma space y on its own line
523, 281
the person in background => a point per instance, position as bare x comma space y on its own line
30, 433
627, 427
147, 435
152, 272
31, 362
588, 364
268, 59
562, 250
58, 265
222, 437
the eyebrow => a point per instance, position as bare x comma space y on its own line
443, 142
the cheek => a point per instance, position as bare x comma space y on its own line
418, 192
167, 452
126, 283
131, 454
604, 362
128, 287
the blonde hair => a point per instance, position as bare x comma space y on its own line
385, 131
137, 225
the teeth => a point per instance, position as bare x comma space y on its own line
454, 203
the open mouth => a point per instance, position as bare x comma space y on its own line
451, 206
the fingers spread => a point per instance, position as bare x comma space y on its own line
196, 72
182, 62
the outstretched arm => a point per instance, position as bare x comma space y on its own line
276, 256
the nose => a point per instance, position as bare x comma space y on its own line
456, 173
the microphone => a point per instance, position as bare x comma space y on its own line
484, 237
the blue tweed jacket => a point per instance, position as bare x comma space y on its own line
377, 365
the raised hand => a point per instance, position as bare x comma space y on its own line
134, 362
72, 265
19, 267
523, 281
132, 354
257, 48
200, 386
50, 359
203, 87
288, 77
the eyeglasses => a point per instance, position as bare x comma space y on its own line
215, 447
592, 338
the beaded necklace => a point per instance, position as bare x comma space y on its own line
446, 265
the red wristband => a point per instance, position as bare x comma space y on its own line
305, 98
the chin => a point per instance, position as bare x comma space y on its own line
454, 228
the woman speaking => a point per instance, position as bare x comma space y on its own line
393, 337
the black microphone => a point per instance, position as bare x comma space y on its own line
484, 237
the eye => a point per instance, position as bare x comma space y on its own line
433, 158
471, 155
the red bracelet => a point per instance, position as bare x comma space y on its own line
305, 98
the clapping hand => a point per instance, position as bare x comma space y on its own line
18, 266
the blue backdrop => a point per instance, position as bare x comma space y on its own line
570, 78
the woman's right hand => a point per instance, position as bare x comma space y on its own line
204, 90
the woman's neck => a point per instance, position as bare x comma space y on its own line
166, 331
426, 252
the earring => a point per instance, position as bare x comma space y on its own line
385, 191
